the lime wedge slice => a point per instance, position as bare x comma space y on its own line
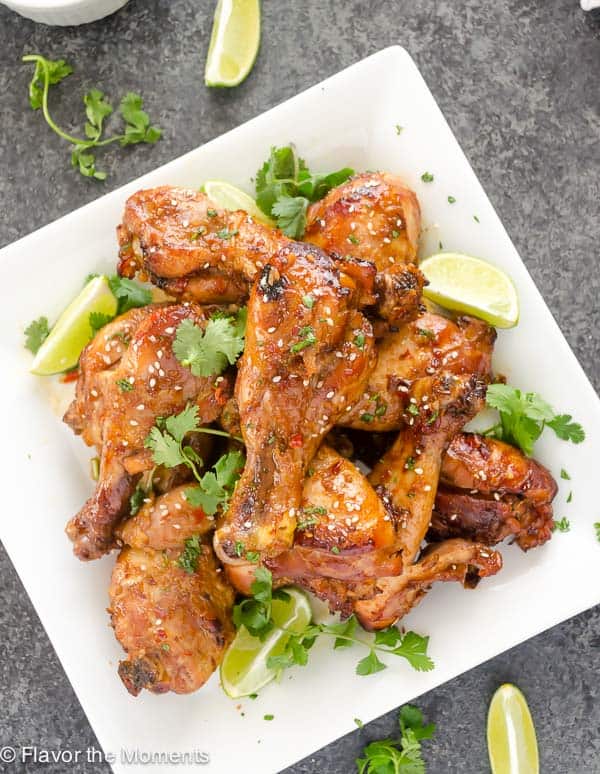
512, 745
244, 668
466, 284
72, 331
234, 42
228, 197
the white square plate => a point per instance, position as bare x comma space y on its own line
349, 119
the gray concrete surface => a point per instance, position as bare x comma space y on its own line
519, 83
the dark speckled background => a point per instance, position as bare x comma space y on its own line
519, 81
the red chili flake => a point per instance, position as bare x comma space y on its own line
297, 441
72, 376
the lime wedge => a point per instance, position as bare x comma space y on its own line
512, 745
72, 331
228, 197
244, 668
234, 42
470, 285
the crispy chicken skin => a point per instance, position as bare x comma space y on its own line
176, 238
376, 217
343, 530
192, 250
165, 522
303, 365
489, 491
175, 626
407, 475
136, 349
453, 560
428, 346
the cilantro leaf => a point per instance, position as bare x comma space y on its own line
398, 756
137, 122
36, 333
165, 449
54, 71
215, 487
98, 320
285, 187
178, 425
255, 613
137, 499
97, 108
597, 529
413, 648
128, 293
369, 664
567, 430
86, 162
290, 215
523, 417
188, 558
209, 351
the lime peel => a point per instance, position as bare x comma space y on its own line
473, 286
511, 739
61, 350
234, 42
229, 197
244, 668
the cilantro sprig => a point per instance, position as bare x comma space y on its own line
402, 755
188, 558
36, 333
167, 442
255, 614
208, 352
285, 187
137, 127
523, 417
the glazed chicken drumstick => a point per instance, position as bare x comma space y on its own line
489, 491
128, 377
307, 358
169, 603
180, 241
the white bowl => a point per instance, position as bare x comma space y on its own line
589, 5
64, 12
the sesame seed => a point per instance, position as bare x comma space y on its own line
305, 382
124, 443
161, 372
280, 343
247, 524
158, 621
427, 488
387, 240
159, 353
330, 394
319, 385
331, 527
152, 382
94, 393
272, 329
419, 471
133, 423
150, 369
292, 512
276, 379
170, 330
185, 223
178, 387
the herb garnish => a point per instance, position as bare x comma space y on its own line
36, 333
427, 177
255, 614
166, 442
188, 559
307, 339
523, 417
285, 187
97, 108
563, 525
398, 756
210, 351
